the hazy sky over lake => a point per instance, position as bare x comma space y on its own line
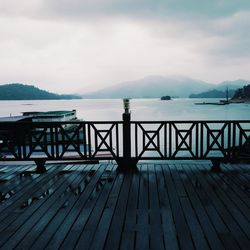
68, 45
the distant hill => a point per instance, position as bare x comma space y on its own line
213, 94
17, 91
157, 86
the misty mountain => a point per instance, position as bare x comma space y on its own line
17, 91
221, 89
231, 85
214, 94
152, 87
157, 86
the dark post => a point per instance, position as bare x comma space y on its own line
126, 163
126, 116
216, 165
40, 166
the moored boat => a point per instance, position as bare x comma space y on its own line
61, 134
51, 116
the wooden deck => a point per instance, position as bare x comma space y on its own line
164, 206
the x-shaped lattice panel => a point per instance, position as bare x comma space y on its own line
183, 140
244, 136
151, 140
216, 140
103, 140
38, 142
70, 140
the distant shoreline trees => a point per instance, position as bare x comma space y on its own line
242, 93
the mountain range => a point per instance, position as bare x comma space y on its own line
148, 87
157, 86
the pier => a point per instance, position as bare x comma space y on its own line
125, 184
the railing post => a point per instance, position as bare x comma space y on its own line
40, 166
126, 163
126, 135
216, 165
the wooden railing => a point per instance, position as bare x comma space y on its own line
60, 140
189, 139
125, 141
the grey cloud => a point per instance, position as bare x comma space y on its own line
234, 30
143, 8
97, 42
80, 9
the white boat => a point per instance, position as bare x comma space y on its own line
7, 145
51, 116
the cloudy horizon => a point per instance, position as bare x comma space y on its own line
71, 45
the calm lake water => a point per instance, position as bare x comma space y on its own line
142, 109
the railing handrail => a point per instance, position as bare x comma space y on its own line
120, 122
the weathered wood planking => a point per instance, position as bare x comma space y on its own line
163, 206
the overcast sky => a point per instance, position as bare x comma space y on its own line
71, 45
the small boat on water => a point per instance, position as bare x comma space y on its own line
51, 116
64, 133
227, 100
38, 116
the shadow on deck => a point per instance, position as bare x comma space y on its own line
163, 206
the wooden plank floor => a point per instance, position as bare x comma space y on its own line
163, 206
